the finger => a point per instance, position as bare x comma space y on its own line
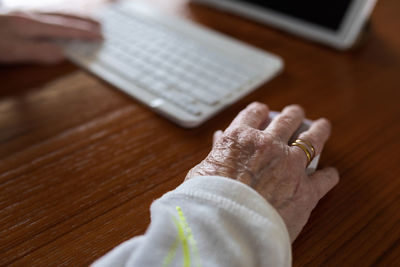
34, 52
217, 135
83, 18
64, 27
324, 180
254, 115
317, 136
286, 123
53, 27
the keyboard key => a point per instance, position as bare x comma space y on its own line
165, 61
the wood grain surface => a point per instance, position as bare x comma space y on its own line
80, 162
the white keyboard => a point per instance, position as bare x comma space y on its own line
181, 70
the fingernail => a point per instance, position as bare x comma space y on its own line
256, 104
253, 104
296, 107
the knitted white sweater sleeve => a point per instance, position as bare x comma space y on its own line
208, 221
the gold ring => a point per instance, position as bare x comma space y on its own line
307, 147
310, 146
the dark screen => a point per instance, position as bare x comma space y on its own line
328, 14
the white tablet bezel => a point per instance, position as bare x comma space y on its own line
354, 20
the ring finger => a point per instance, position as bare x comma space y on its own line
317, 136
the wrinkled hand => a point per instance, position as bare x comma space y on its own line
29, 37
256, 152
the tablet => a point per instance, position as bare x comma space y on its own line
336, 23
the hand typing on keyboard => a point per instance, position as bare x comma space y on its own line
29, 37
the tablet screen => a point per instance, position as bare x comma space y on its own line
328, 14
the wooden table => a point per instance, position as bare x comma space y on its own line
81, 162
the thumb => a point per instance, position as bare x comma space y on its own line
324, 180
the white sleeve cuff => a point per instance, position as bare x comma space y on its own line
244, 202
231, 223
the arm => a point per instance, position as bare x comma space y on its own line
238, 221
231, 225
